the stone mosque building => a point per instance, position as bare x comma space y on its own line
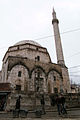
27, 67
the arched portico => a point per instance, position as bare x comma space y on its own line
38, 79
54, 81
19, 76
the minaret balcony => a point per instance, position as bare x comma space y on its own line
55, 20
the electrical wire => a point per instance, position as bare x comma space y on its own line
75, 75
74, 67
74, 30
75, 72
74, 55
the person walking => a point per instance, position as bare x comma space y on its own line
16, 112
63, 110
18, 103
58, 103
43, 104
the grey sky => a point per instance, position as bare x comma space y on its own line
32, 19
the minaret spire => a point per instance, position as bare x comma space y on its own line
54, 13
59, 52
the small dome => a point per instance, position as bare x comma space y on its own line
28, 41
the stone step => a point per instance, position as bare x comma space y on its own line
72, 113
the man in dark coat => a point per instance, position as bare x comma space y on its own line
63, 110
18, 103
58, 103
43, 104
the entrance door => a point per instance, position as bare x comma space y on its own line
2, 102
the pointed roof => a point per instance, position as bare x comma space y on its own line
54, 10
54, 13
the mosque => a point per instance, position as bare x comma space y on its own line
27, 67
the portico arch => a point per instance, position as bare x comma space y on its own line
38, 79
19, 75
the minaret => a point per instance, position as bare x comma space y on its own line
59, 52
60, 58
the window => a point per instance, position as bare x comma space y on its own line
54, 78
49, 88
38, 58
37, 49
66, 91
18, 47
19, 74
55, 90
18, 87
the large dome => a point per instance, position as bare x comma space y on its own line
28, 41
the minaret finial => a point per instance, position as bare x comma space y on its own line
54, 13
53, 10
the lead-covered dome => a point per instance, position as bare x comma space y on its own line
28, 41
28, 49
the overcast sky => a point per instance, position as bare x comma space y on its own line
32, 19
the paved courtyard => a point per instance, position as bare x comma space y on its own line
73, 114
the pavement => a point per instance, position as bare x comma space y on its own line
73, 114
40, 119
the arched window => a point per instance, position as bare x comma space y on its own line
37, 58
54, 78
55, 90
49, 88
19, 74
18, 87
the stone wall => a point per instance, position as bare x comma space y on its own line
32, 101
0, 76
29, 51
47, 73
29, 60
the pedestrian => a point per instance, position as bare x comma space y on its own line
43, 104
63, 110
18, 103
52, 100
2, 104
58, 103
